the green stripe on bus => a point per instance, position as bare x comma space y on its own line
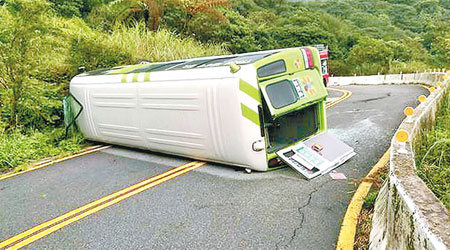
124, 78
250, 114
147, 77
135, 77
249, 90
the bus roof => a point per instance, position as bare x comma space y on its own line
268, 64
201, 62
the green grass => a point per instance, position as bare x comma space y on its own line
433, 155
158, 46
95, 49
19, 148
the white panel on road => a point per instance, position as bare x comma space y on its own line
317, 155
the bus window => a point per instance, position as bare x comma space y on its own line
281, 94
272, 68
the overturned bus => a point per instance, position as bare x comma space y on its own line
256, 110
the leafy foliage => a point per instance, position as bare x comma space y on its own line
41, 49
75, 8
409, 32
23, 33
412, 33
152, 11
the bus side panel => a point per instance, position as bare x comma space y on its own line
202, 119
197, 118
237, 131
173, 117
113, 109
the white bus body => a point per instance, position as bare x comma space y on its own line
240, 110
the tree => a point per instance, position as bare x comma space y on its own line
23, 40
75, 8
441, 51
154, 10
370, 56
70, 8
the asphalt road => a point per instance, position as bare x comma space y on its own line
213, 207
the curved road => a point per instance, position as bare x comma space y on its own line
213, 206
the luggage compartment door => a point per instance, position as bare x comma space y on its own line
317, 155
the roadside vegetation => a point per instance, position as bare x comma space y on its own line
364, 225
41, 50
44, 42
432, 153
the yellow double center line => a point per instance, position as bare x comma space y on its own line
53, 225
346, 94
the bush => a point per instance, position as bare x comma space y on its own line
39, 107
94, 52
68, 8
41, 51
18, 148
47, 53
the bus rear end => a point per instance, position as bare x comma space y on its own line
294, 113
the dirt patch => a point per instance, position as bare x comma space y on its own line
363, 229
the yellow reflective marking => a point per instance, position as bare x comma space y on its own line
402, 136
408, 111
249, 90
135, 77
422, 98
146, 76
250, 114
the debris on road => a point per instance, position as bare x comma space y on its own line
337, 175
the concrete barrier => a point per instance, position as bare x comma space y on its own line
409, 78
407, 214
393, 79
419, 78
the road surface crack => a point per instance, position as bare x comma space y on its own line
302, 217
